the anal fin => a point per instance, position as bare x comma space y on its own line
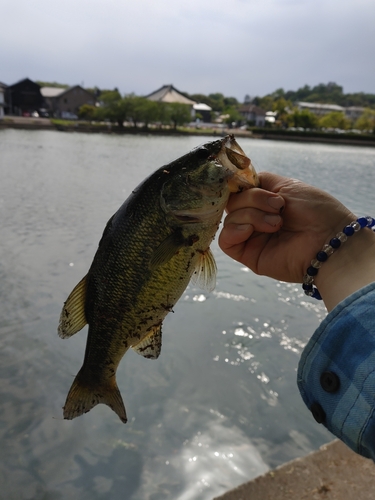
150, 346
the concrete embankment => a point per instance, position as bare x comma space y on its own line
334, 472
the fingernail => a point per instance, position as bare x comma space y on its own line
272, 220
276, 202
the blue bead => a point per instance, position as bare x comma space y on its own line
335, 242
362, 221
372, 223
321, 256
316, 295
348, 230
312, 271
307, 286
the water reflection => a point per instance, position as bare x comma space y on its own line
216, 456
220, 406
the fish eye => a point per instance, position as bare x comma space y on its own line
202, 153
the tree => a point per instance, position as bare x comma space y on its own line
217, 100
179, 114
87, 112
335, 119
233, 116
112, 107
265, 102
304, 119
366, 121
230, 102
53, 84
135, 108
151, 112
164, 113
108, 97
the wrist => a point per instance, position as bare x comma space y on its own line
347, 269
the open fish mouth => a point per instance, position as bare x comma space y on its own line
234, 158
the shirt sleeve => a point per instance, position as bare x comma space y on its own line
336, 373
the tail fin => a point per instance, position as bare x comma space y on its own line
82, 397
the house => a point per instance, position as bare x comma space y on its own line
320, 109
204, 110
169, 94
65, 102
254, 114
354, 112
23, 97
2, 99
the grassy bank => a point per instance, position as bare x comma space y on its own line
314, 136
254, 132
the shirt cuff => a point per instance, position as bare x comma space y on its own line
336, 373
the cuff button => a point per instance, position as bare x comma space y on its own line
329, 381
318, 413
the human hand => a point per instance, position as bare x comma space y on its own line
277, 230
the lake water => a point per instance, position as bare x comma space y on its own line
220, 406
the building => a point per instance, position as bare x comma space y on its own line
320, 109
2, 99
65, 102
169, 94
23, 97
354, 112
253, 114
204, 110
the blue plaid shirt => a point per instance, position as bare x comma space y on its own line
336, 373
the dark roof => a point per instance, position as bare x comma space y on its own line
59, 91
24, 80
251, 108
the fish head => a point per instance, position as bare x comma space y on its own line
198, 185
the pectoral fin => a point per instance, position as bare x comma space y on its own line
167, 249
150, 346
205, 272
73, 318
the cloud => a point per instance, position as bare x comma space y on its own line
239, 47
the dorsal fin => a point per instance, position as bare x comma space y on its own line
73, 318
150, 346
204, 274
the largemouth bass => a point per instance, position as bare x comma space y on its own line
150, 249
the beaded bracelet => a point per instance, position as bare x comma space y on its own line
328, 249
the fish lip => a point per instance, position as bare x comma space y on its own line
234, 159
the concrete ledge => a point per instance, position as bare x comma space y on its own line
332, 472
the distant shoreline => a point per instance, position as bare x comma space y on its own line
30, 123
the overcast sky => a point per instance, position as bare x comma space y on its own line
235, 47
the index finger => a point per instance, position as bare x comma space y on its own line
256, 198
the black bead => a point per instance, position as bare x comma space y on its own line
335, 243
307, 286
348, 230
312, 271
318, 413
329, 381
321, 256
